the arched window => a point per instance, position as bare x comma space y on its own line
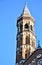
27, 39
27, 53
26, 26
21, 27
31, 27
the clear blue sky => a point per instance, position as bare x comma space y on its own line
9, 11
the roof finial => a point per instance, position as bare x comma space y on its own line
26, 3
39, 44
26, 11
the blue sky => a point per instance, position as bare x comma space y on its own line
9, 11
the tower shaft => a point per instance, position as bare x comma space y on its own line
26, 39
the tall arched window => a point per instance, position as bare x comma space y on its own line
31, 27
21, 27
27, 39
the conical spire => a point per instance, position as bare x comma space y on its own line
26, 11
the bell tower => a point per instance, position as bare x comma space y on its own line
26, 39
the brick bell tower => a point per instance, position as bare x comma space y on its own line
26, 39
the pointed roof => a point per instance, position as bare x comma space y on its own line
26, 11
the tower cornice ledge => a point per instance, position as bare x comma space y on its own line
26, 18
